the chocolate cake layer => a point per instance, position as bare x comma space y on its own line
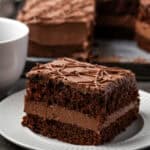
83, 87
143, 25
117, 7
92, 104
117, 13
125, 21
59, 23
39, 50
77, 135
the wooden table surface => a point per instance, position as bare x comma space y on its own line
6, 145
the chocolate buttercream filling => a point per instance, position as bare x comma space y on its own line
58, 113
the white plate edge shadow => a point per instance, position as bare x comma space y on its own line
123, 145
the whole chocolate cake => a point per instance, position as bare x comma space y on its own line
80, 103
143, 25
64, 25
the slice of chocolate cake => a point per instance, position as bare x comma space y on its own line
116, 17
62, 25
143, 25
80, 103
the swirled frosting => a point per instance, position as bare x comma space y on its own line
58, 11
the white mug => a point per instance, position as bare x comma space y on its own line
13, 51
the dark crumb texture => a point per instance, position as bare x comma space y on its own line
117, 7
115, 88
91, 104
75, 135
116, 18
39, 50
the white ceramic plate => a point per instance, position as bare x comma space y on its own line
11, 112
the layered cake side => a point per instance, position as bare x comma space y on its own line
80, 103
58, 24
117, 13
116, 16
143, 25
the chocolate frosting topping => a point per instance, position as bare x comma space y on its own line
58, 11
84, 76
